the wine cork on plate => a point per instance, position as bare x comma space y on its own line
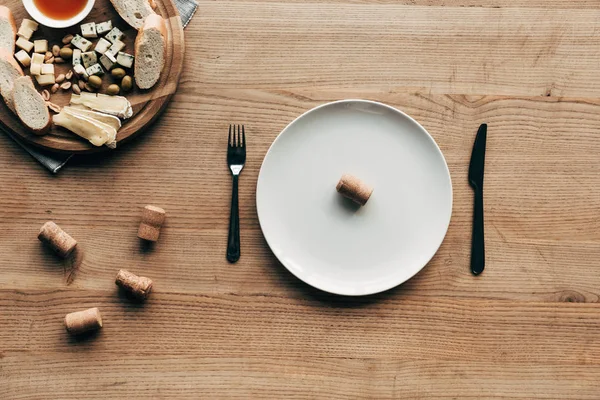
354, 189
57, 239
83, 321
138, 286
152, 219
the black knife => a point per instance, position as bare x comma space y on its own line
476, 182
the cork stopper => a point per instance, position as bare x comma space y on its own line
83, 321
57, 239
137, 286
354, 189
152, 220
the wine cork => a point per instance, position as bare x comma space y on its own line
83, 321
152, 220
353, 188
57, 239
138, 286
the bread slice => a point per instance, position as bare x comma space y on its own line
30, 106
134, 12
9, 72
150, 48
8, 29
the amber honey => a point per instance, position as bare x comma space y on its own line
60, 9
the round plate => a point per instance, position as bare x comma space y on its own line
323, 238
146, 104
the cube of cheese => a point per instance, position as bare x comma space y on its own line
114, 35
23, 58
116, 48
89, 30
29, 24
37, 58
40, 46
25, 32
88, 59
35, 69
124, 59
45, 80
76, 57
80, 71
47, 69
108, 61
24, 44
81, 43
102, 46
95, 69
104, 27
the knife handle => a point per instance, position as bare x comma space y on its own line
477, 245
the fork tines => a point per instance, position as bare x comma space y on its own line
238, 139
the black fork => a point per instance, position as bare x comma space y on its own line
236, 158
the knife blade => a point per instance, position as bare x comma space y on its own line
476, 168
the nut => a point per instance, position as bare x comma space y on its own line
55, 50
81, 84
113, 90
59, 60
50, 60
118, 73
66, 53
48, 56
60, 78
45, 95
54, 88
127, 83
69, 75
95, 81
67, 39
76, 89
66, 85
89, 88
53, 107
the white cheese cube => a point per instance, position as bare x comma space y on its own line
89, 30
124, 59
27, 23
95, 69
35, 69
116, 48
76, 57
81, 43
24, 44
102, 46
23, 58
25, 32
104, 27
114, 35
80, 71
47, 69
108, 61
88, 59
45, 80
40, 46
37, 58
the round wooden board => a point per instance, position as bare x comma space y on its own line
147, 104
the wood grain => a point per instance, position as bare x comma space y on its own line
527, 328
147, 104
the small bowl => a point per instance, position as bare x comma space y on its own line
57, 23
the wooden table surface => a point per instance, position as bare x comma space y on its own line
529, 327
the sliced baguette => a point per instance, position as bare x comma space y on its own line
134, 12
8, 29
30, 106
150, 48
9, 72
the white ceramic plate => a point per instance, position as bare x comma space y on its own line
321, 237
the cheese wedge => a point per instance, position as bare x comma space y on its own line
95, 132
114, 105
110, 120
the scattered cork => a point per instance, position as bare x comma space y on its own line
83, 321
57, 239
354, 189
152, 220
137, 286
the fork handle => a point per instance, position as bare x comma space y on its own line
233, 242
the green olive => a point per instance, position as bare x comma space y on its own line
66, 53
118, 73
113, 89
127, 83
95, 81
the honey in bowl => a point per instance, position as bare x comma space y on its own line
60, 9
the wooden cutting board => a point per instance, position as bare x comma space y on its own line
147, 104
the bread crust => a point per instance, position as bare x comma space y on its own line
44, 129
